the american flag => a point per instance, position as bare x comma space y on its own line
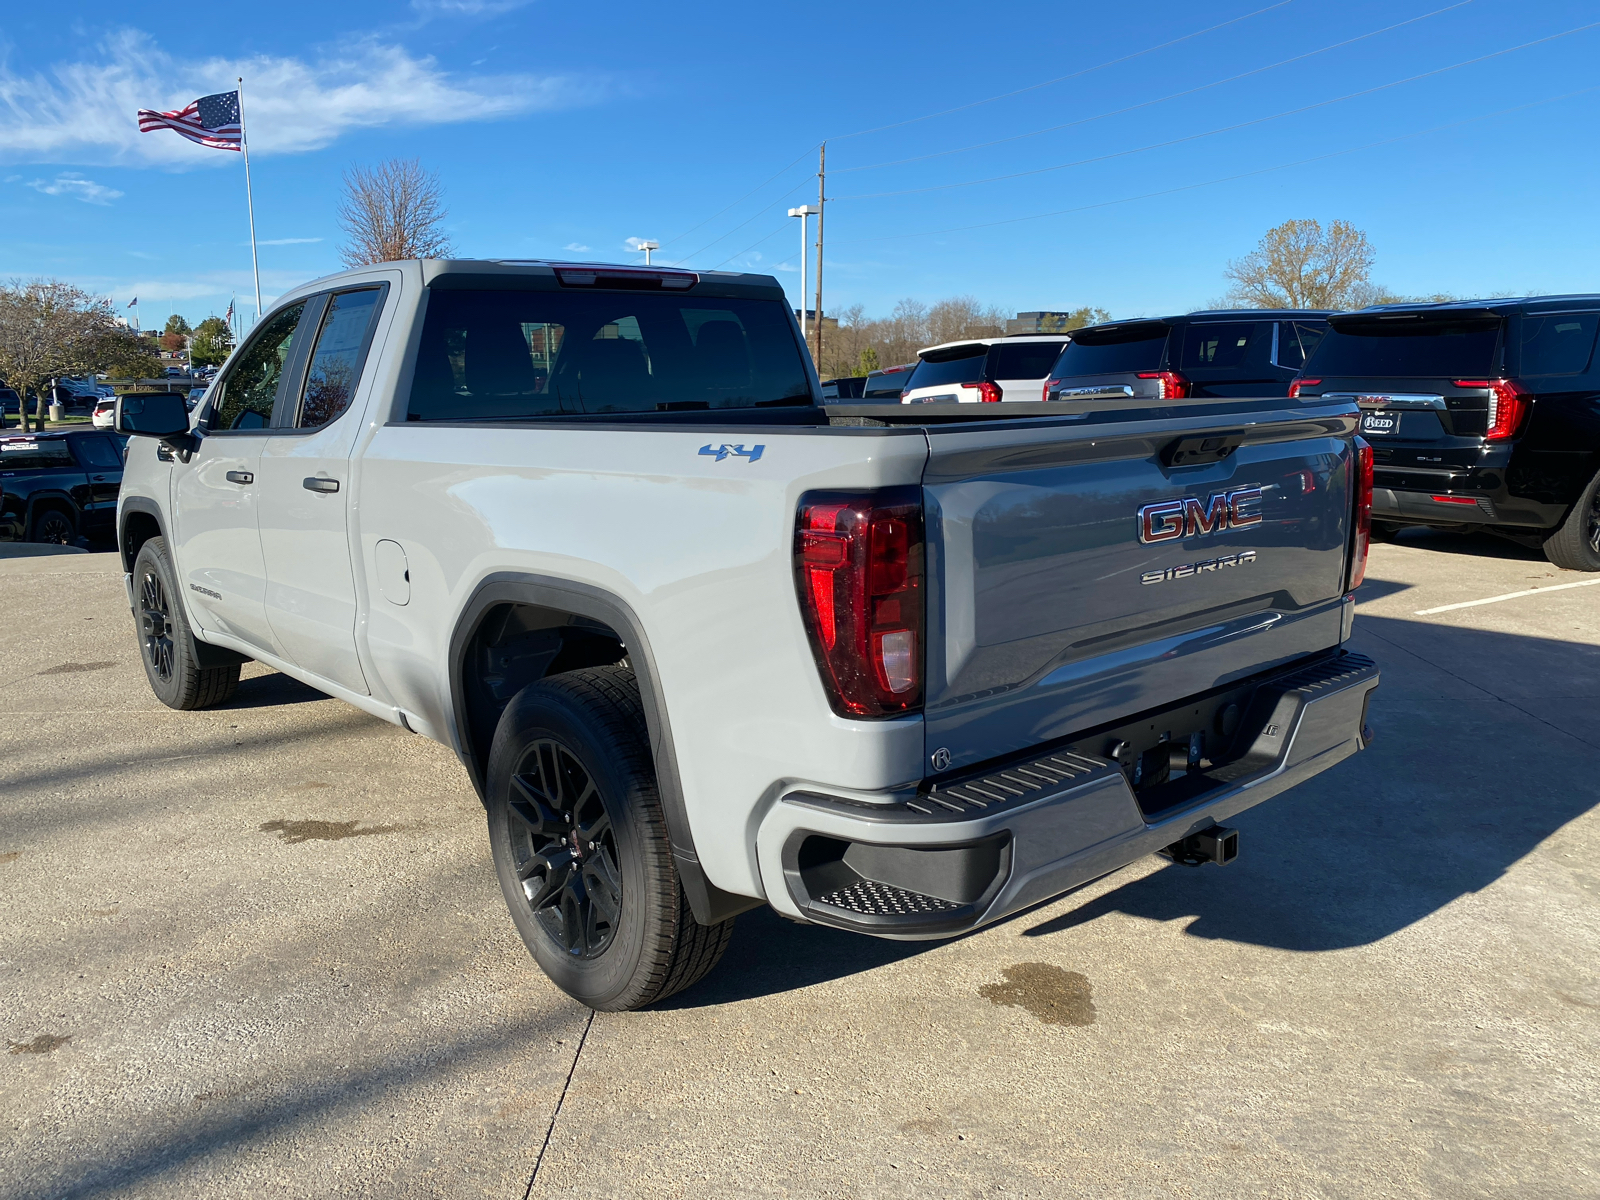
211, 120
229, 317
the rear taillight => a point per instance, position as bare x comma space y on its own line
1173, 386
1361, 542
858, 568
988, 393
1508, 404
1048, 384
1294, 388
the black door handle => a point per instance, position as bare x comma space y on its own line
98, 478
313, 484
241, 477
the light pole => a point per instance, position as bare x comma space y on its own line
804, 211
647, 247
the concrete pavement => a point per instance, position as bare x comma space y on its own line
260, 950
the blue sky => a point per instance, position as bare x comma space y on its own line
1062, 177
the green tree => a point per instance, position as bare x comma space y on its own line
1301, 265
867, 361
123, 354
47, 329
211, 344
176, 324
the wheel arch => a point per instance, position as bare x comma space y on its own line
138, 521
508, 607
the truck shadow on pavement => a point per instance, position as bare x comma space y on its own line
272, 690
1477, 545
1465, 778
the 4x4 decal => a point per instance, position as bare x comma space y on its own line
726, 451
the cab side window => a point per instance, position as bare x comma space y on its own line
245, 396
99, 454
336, 361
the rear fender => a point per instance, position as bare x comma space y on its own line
709, 903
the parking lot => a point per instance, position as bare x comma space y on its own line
261, 951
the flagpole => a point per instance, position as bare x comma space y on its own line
244, 141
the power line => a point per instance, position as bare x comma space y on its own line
740, 200
974, 104
1061, 212
1063, 78
1159, 100
940, 187
744, 222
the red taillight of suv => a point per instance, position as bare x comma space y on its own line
1294, 388
1508, 404
1048, 384
858, 561
1173, 386
988, 393
1361, 540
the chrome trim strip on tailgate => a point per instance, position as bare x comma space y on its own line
1370, 400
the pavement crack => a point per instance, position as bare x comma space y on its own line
562, 1099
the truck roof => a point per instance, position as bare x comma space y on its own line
558, 273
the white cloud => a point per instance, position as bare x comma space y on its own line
70, 183
465, 8
283, 241
575, 247
83, 111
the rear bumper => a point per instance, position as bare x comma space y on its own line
963, 856
1421, 508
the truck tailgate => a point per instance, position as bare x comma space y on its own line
1049, 614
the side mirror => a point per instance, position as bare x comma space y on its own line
163, 415
160, 414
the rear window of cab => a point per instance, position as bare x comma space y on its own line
1404, 348
25, 454
487, 354
1113, 351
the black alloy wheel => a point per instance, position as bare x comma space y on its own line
155, 626
580, 844
54, 526
167, 647
1575, 544
564, 849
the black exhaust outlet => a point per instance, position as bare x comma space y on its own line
1217, 844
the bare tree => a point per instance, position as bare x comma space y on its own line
392, 211
47, 329
1300, 265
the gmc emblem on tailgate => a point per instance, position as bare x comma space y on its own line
1188, 517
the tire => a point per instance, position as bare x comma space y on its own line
1386, 531
166, 643
53, 525
580, 845
1575, 545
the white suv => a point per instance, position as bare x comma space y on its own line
984, 370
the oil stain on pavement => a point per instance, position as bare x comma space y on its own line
42, 1044
1055, 996
324, 831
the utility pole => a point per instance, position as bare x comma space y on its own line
804, 211
647, 247
822, 199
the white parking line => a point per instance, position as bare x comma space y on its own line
1560, 587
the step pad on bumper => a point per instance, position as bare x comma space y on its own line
870, 898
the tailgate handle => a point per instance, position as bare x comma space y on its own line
1206, 448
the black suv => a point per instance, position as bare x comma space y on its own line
1481, 414
1215, 353
57, 486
